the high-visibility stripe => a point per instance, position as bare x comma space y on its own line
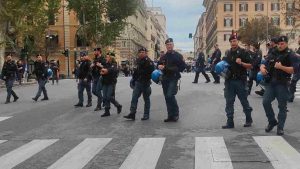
211, 153
144, 154
281, 154
23, 153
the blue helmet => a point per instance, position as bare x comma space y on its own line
156, 76
49, 73
221, 67
259, 77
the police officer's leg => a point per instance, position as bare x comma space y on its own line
242, 94
282, 97
44, 90
292, 87
229, 93
8, 84
13, 92
205, 75
99, 95
89, 93
80, 93
165, 86
136, 93
114, 101
268, 98
172, 91
40, 83
94, 87
107, 94
250, 82
146, 96
196, 76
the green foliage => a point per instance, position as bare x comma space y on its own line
25, 22
257, 31
102, 20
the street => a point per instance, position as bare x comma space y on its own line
55, 134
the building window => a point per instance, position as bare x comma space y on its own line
226, 37
259, 7
243, 21
290, 6
290, 21
275, 20
228, 7
243, 7
228, 22
275, 7
123, 44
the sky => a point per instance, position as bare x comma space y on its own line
182, 19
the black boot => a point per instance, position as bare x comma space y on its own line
130, 116
280, 132
44, 99
270, 126
78, 105
249, 122
119, 109
35, 99
229, 124
16, 98
89, 104
107, 113
98, 107
260, 93
7, 102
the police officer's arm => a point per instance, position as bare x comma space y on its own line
245, 62
161, 64
181, 65
289, 69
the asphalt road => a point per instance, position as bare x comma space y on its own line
37, 135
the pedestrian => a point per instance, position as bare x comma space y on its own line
255, 61
99, 60
236, 82
295, 78
109, 73
141, 81
200, 68
41, 73
171, 64
277, 70
85, 79
215, 59
21, 69
55, 69
9, 72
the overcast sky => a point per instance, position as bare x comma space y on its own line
182, 18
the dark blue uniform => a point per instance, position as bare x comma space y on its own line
85, 78
96, 85
236, 85
174, 64
295, 79
200, 68
41, 72
255, 61
9, 72
277, 87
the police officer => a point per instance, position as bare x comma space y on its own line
271, 50
215, 59
55, 69
41, 73
96, 68
9, 72
141, 81
236, 82
277, 71
200, 68
295, 78
255, 61
109, 73
85, 78
171, 65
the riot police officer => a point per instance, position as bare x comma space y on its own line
277, 71
255, 61
295, 78
215, 59
41, 73
96, 68
200, 68
9, 72
236, 82
85, 78
109, 73
141, 81
171, 65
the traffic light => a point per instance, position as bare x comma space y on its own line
66, 52
190, 35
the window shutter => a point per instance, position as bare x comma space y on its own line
231, 22
240, 6
231, 7
247, 7
272, 7
225, 7
224, 22
256, 7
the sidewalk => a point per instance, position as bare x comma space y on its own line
30, 82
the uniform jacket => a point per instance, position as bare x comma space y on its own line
95, 69
84, 71
9, 70
174, 64
111, 77
142, 73
40, 70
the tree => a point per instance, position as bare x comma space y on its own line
291, 9
25, 23
257, 31
102, 20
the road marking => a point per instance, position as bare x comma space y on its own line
4, 118
2, 141
297, 97
211, 153
24, 152
144, 154
297, 93
78, 157
280, 153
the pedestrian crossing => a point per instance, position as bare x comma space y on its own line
210, 153
4, 118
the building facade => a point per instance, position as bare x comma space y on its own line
223, 16
200, 35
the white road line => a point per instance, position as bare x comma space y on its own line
297, 97
280, 153
297, 93
144, 154
2, 141
4, 118
211, 153
79, 156
24, 152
